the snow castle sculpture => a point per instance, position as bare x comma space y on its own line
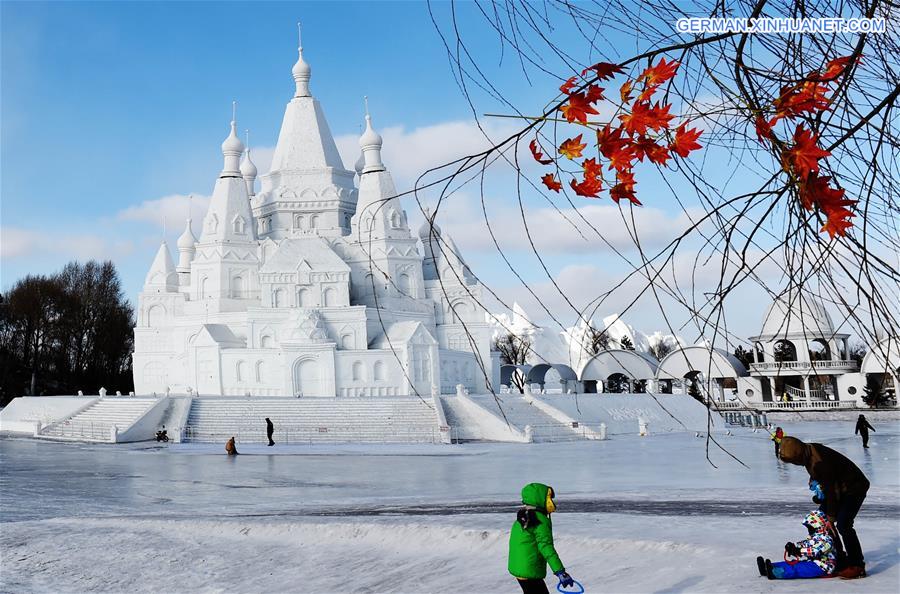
312, 287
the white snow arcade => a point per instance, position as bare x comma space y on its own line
313, 286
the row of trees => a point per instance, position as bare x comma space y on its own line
69, 331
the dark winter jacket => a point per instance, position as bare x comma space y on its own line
531, 538
862, 426
270, 428
838, 476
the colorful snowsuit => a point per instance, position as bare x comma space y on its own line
817, 558
531, 548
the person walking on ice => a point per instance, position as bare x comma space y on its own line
862, 429
230, 448
815, 555
531, 542
270, 429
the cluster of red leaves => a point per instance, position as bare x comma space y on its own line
643, 131
800, 158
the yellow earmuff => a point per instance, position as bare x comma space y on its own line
549, 505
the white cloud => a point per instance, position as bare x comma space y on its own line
409, 153
171, 209
18, 243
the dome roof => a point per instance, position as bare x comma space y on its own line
425, 230
232, 144
187, 239
370, 138
797, 314
301, 73
248, 169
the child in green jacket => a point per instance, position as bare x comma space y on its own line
531, 541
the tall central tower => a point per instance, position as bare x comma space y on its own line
307, 190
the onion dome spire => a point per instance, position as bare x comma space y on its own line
248, 169
370, 142
301, 70
232, 148
429, 227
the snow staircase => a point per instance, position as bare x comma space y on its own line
313, 420
95, 422
519, 412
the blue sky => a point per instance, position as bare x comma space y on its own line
113, 112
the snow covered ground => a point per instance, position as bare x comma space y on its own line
636, 515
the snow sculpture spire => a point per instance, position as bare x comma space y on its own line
248, 169
186, 248
370, 142
232, 148
161, 278
301, 70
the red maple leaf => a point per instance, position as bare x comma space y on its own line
643, 116
685, 140
817, 191
578, 108
589, 187
764, 128
620, 191
537, 154
625, 92
807, 97
604, 70
626, 179
592, 169
655, 153
610, 140
660, 73
567, 86
834, 68
623, 158
594, 93
551, 182
572, 147
803, 157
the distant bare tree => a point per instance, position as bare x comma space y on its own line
626, 343
744, 356
599, 340
513, 351
660, 349
858, 352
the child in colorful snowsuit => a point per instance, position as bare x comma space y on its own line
531, 541
816, 553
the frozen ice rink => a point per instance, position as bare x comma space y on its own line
635, 514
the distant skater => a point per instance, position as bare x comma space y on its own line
270, 429
777, 437
229, 447
862, 429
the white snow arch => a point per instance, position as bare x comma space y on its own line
537, 374
713, 365
633, 365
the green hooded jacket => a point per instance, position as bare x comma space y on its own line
531, 549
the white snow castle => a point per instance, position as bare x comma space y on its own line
314, 286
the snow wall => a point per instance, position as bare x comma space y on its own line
20, 415
664, 413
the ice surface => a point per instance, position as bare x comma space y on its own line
636, 514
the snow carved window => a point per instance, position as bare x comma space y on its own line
238, 224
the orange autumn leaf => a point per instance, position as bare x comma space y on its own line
817, 191
660, 73
571, 148
603, 70
592, 169
567, 86
764, 128
626, 179
623, 158
803, 157
685, 140
537, 154
807, 97
609, 140
589, 187
594, 94
835, 68
643, 117
654, 152
622, 192
625, 92
578, 108
551, 183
